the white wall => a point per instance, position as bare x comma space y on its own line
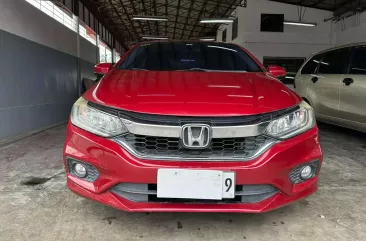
88, 51
23, 19
38, 69
351, 34
295, 41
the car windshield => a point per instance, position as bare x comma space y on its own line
185, 56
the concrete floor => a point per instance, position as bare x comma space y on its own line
51, 212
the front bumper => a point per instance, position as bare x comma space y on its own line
116, 165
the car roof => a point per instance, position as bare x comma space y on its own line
180, 41
340, 47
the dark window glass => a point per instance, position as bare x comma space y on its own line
334, 62
311, 65
272, 22
224, 36
358, 65
170, 56
235, 29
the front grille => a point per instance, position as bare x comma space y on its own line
137, 192
152, 146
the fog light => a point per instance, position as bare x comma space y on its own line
80, 170
306, 172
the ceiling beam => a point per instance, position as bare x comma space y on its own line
188, 17
146, 13
199, 16
316, 3
226, 13
166, 5
215, 2
176, 18
177, 28
155, 13
348, 5
301, 3
185, 36
166, 14
135, 13
119, 16
212, 15
182, 23
128, 17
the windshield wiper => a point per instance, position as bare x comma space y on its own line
194, 69
212, 70
139, 69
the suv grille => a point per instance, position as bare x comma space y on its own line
152, 146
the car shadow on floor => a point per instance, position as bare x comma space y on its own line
196, 221
342, 131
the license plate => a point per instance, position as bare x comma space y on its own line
195, 184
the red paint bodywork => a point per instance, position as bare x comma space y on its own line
276, 71
191, 94
102, 68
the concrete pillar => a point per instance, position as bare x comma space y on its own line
75, 10
97, 49
114, 55
113, 50
79, 81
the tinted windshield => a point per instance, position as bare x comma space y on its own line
173, 56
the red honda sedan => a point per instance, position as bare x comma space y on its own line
191, 127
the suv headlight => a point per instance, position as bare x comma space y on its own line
292, 124
95, 121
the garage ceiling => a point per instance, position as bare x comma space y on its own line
339, 7
184, 16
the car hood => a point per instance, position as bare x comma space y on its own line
192, 93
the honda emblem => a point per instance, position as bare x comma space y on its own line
196, 136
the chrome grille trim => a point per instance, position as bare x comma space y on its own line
175, 131
152, 130
238, 131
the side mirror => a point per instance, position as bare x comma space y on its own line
276, 71
102, 68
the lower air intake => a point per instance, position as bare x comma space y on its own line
147, 193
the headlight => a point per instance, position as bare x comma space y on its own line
292, 124
95, 121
